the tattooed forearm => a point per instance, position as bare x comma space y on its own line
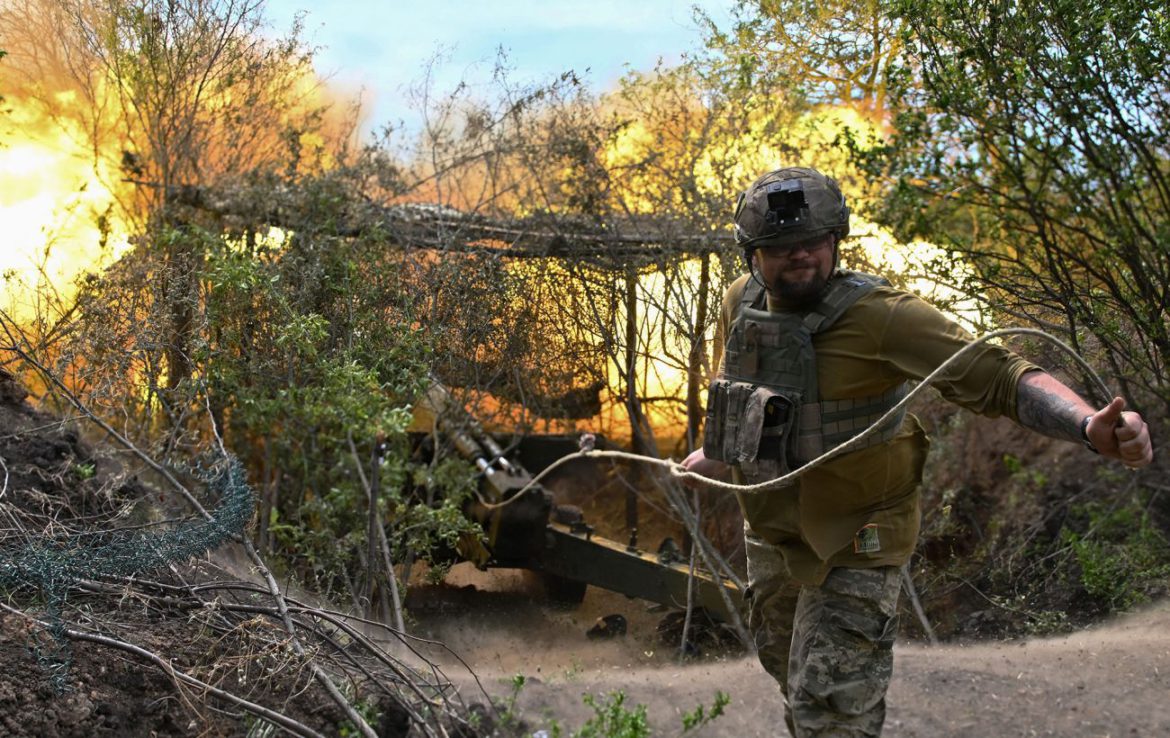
1048, 407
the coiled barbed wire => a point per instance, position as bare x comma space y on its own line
53, 567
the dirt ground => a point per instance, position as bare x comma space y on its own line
1112, 680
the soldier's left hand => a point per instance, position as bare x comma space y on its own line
698, 463
1121, 435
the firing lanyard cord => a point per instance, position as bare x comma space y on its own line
676, 469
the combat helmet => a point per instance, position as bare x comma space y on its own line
787, 206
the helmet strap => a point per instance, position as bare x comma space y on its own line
755, 274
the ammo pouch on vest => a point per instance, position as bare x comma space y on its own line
766, 414
751, 426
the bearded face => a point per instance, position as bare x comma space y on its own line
796, 274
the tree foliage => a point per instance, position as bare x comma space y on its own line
1032, 140
837, 52
1029, 141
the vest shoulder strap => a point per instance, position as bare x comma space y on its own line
753, 295
845, 288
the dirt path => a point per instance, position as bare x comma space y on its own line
1113, 680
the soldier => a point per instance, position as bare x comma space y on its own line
814, 355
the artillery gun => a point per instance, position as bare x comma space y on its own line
524, 528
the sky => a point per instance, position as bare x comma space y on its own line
382, 47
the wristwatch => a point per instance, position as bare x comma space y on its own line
1085, 435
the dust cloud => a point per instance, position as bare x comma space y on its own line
1112, 680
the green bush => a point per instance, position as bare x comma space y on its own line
1123, 558
612, 719
315, 358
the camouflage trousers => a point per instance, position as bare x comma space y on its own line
830, 646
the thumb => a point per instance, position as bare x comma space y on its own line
1103, 424
1110, 414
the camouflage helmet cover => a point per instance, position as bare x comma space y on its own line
790, 205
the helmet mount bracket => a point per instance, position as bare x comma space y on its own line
787, 206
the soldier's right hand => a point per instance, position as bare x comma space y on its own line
1119, 434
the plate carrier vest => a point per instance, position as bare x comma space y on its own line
765, 413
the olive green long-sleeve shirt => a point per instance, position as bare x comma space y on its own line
862, 509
